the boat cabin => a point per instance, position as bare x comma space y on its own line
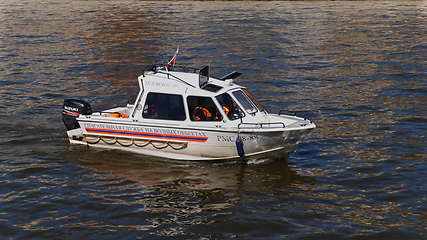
189, 98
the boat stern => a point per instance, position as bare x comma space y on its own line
75, 136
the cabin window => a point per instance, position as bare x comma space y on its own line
245, 101
164, 106
203, 109
229, 106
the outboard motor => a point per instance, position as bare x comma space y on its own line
72, 109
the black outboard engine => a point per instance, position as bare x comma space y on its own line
72, 109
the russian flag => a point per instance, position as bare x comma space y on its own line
172, 62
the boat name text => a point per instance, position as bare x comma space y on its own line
145, 129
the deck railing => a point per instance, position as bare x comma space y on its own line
261, 125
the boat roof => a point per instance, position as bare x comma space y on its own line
189, 82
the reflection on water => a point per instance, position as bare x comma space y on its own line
358, 70
183, 194
152, 172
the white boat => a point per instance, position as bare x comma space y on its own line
187, 115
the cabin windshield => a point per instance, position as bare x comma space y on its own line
245, 101
254, 100
229, 106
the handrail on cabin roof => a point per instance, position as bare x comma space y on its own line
176, 78
158, 69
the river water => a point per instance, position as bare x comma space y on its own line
358, 69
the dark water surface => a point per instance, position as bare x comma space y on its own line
358, 69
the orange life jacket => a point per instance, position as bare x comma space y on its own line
117, 115
226, 110
201, 112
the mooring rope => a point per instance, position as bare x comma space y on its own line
95, 142
159, 146
109, 143
141, 145
155, 144
124, 144
184, 145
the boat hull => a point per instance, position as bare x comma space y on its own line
188, 144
